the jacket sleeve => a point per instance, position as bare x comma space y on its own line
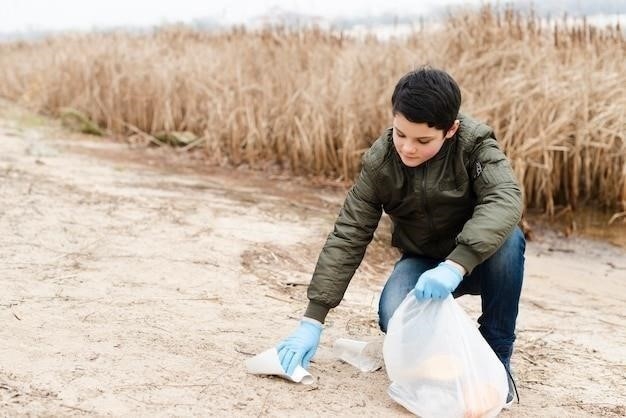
498, 207
345, 247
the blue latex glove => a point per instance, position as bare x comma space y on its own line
438, 283
299, 347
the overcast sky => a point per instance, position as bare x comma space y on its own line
25, 15
45, 15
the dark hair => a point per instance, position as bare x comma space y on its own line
427, 95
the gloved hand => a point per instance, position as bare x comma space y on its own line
438, 283
299, 347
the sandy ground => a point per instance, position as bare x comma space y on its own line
135, 284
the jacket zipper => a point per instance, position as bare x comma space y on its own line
426, 207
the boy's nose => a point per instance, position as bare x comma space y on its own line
409, 149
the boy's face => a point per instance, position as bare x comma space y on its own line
417, 143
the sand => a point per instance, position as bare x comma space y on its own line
137, 281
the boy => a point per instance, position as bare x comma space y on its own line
455, 204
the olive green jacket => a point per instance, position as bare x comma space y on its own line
460, 205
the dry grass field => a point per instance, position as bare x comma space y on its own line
310, 102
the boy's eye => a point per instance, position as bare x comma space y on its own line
401, 135
423, 142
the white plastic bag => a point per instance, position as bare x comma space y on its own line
439, 364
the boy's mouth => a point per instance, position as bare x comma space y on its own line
407, 157
411, 161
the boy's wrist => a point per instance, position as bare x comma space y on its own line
312, 321
457, 266
316, 311
465, 256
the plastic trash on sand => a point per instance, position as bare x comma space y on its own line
439, 364
268, 363
364, 355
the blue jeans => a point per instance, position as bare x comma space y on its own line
498, 280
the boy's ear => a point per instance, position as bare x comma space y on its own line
453, 129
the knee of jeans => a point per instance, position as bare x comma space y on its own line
386, 308
383, 318
517, 239
512, 250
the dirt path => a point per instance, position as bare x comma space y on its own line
133, 289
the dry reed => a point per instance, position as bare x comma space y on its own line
312, 101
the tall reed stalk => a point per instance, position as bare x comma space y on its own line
313, 101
